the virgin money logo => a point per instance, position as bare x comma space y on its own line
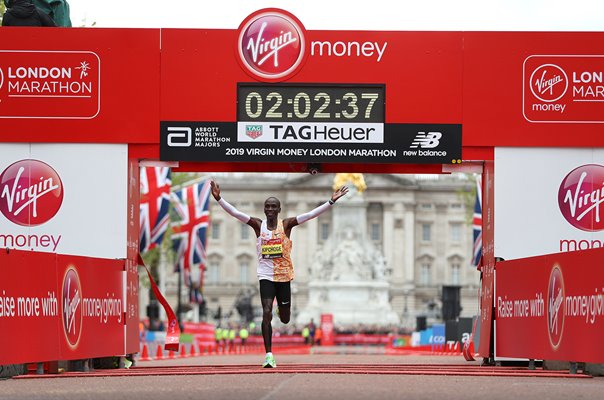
548, 82
581, 195
555, 307
71, 300
31, 192
271, 45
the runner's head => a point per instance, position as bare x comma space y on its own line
272, 207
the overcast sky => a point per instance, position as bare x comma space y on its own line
492, 15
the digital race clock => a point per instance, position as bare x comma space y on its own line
310, 103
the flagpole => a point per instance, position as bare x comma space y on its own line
179, 304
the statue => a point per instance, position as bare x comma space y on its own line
357, 180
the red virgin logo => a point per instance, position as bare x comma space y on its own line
271, 45
548, 82
581, 195
555, 307
31, 192
72, 310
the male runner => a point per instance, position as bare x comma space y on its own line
275, 269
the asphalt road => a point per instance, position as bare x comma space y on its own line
307, 377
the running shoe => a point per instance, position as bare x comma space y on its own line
269, 362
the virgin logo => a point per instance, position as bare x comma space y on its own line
31, 192
581, 195
555, 307
271, 45
72, 311
548, 82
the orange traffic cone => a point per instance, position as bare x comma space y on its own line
193, 353
159, 354
183, 351
171, 354
145, 354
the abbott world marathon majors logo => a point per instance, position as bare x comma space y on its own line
271, 45
555, 307
31, 192
71, 300
580, 197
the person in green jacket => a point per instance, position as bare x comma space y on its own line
306, 335
243, 334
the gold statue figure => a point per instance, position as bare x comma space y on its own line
356, 179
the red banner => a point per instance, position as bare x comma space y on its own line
131, 296
551, 307
488, 259
328, 331
67, 308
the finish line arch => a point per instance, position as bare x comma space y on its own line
349, 101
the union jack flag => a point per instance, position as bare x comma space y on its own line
154, 205
189, 233
477, 223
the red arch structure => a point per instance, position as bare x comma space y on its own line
380, 101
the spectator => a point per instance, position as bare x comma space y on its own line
243, 334
306, 335
318, 335
25, 13
58, 10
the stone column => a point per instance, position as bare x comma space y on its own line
409, 244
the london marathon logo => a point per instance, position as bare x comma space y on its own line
581, 195
31, 192
271, 45
555, 307
71, 299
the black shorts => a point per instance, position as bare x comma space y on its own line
281, 290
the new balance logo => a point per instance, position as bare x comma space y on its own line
426, 140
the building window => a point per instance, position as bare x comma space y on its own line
324, 231
424, 274
213, 272
455, 271
426, 206
215, 230
376, 232
456, 206
456, 233
426, 232
245, 232
244, 271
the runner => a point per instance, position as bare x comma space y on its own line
275, 269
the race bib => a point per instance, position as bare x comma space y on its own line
272, 248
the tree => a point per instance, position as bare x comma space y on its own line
2, 10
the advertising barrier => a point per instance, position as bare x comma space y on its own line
551, 307
60, 307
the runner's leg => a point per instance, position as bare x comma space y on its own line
284, 300
267, 296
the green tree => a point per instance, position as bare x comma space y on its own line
2, 9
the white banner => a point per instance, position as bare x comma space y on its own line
548, 200
64, 198
310, 132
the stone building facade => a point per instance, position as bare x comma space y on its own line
419, 223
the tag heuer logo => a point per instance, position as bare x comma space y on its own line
253, 131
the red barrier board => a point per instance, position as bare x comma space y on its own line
64, 308
79, 85
551, 307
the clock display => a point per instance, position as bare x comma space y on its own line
310, 103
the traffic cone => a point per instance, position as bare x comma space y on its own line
193, 353
183, 351
159, 353
145, 353
171, 354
